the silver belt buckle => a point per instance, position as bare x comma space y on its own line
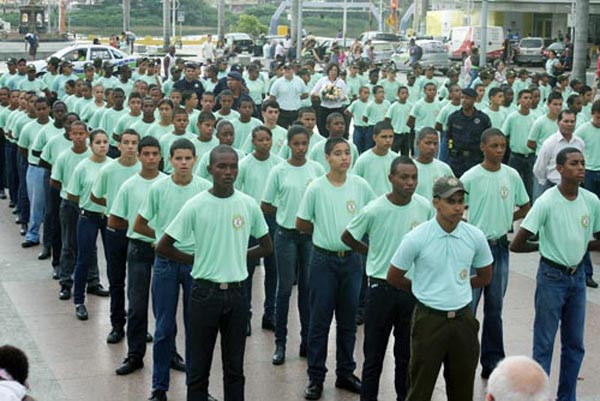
571, 270
451, 314
223, 286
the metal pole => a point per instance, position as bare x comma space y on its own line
294, 22
174, 16
126, 14
484, 32
49, 13
166, 21
220, 18
580, 41
381, 25
345, 24
299, 32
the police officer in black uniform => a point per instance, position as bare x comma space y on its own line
189, 82
465, 127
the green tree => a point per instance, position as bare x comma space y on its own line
251, 25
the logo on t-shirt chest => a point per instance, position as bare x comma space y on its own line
351, 206
585, 221
504, 192
238, 222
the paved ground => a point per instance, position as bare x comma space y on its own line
70, 360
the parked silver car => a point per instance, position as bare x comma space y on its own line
434, 53
531, 51
382, 51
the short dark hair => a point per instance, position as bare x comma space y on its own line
331, 116
129, 131
401, 160
182, 143
179, 110
561, 157
571, 99
296, 129
205, 116
270, 103
95, 133
42, 99
187, 95
376, 88
382, 125
596, 106
135, 95
494, 91
425, 131
563, 112
523, 92
306, 110
331, 142
262, 128
554, 96
147, 142
219, 150
490, 133
15, 362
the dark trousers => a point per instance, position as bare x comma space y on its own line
461, 161
47, 226
387, 308
435, 340
524, 166
53, 207
116, 265
12, 172
270, 275
3, 181
591, 183
334, 283
69, 214
22, 199
88, 228
286, 118
322, 114
404, 143
213, 311
140, 258
363, 138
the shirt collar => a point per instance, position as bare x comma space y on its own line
441, 233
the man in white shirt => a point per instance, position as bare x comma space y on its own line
288, 91
208, 50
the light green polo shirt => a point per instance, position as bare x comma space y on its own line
82, 182
129, 200
55, 146
286, 185
441, 263
375, 170
516, 127
111, 177
591, 136
165, 147
62, 170
358, 109
29, 133
158, 131
375, 112
542, 128
386, 223
110, 119
164, 200
331, 208
243, 130
398, 114
428, 174
212, 223
256, 90
492, 198
496, 117
425, 114
565, 226
445, 112
252, 173
315, 139
279, 139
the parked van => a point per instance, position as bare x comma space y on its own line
462, 38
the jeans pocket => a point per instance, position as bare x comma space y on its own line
200, 294
551, 274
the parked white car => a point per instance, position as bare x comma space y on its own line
434, 53
80, 54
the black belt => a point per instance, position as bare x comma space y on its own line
339, 254
33, 165
89, 213
140, 242
287, 111
463, 153
524, 156
377, 282
570, 270
289, 230
450, 314
220, 286
498, 241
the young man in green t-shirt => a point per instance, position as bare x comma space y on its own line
104, 192
328, 205
374, 112
165, 199
127, 120
567, 217
496, 197
493, 111
110, 118
180, 130
386, 220
212, 219
430, 168
356, 111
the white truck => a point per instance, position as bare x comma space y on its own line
462, 38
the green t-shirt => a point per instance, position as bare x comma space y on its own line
285, 188
353, 84
45, 135
62, 170
315, 138
375, 112
4, 113
37, 85
165, 147
81, 104
158, 131
214, 224
12, 117
129, 200
565, 226
386, 224
164, 200
425, 114
445, 112
167, 87
19, 124
516, 128
112, 82
82, 181
331, 208
89, 111
391, 89
110, 123
141, 127
252, 173
203, 148
279, 139
542, 128
256, 89
318, 154
414, 93
496, 117
428, 174
233, 115
193, 120
398, 115
492, 198
124, 122
202, 165
375, 169
243, 131
55, 146
110, 178
358, 109
29, 133
48, 79
591, 138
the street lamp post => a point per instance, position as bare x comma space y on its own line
484, 32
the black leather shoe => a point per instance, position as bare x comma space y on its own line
55, 275
18, 220
23, 229
11, 205
149, 338
29, 244
248, 329
65, 293
2, 194
177, 363
130, 365
590, 282
115, 336
268, 324
81, 312
302, 352
350, 383
15, 211
314, 390
158, 395
98, 290
45, 254
278, 355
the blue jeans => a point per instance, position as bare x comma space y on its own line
292, 252
88, 227
492, 342
334, 284
37, 200
167, 278
362, 138
560, 297
592, 181
22, 199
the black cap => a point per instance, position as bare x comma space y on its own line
469, 92
11, 60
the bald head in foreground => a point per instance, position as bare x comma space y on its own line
518, 378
